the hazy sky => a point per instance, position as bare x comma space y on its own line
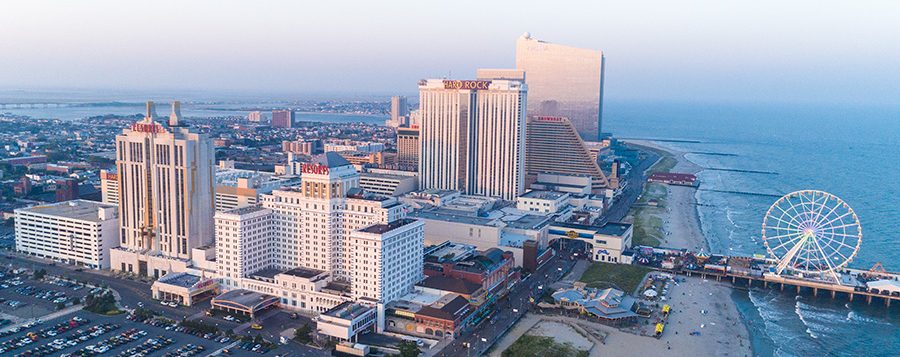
815, 51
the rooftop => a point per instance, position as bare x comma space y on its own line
450, 216
347, 310
246, 298
610, 228
303, 272
245, 210
450, 310
384, 228
544, 195
444, 283
331, 159
76, 209
183, 280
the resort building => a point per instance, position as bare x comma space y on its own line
408, 148
555, 147
240, 188
77, 232
165, 180
472, 136
563, 81
109, 187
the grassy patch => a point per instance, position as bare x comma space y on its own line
540, 346
665, 164
603, 275
648, 227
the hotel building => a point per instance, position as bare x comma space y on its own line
77, 232
322, 244
563, 81
472, 135
408, 148
554, 146
283, 119
109, 187
165, 178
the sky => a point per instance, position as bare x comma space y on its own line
699, 51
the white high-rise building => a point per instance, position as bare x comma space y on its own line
318, 232
75, 232
166, 198
472, 135
109, 187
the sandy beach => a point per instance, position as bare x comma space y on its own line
701, 306
680, 218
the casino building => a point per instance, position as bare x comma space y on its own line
323, 244
472, 136
165, 181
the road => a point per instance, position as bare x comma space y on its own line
636, 178
508, 311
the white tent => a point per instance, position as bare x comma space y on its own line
892, 286
650, 293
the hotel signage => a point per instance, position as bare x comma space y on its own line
556, 119
466, 84
317, 169
147, 128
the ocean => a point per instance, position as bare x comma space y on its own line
850, 152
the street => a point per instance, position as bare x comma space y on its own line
508, 311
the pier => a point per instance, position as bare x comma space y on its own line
871, 285
741, 171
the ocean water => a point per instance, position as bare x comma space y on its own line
851, 152
187, 110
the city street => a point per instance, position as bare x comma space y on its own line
620, 207
507, 311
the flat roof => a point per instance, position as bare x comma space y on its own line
245, 298
347, 310
544, 195
303, 272
610, 228
76, 209
183, 280
447, 216
384, 228
245, 210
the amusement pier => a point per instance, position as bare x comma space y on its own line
810, 236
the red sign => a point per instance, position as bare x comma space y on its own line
467, 84
147, 127
317, 169
550, 119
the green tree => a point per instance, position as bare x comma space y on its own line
39, 274
301, 334
409, 349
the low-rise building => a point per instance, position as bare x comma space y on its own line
606, 242
346, 321
77, 232
388, 184
542, 201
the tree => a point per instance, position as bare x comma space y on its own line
39, 274
409, 349
301, 334
60, 305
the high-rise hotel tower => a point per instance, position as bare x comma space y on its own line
472, 135
165, 179
563, 81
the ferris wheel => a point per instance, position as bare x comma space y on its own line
811, 232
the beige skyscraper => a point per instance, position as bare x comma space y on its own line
473, 134
563, 81
165, 180
408, 148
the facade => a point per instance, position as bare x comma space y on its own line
305, 244
387, 259
563, 81
240, 188
283, 119
165, 177
346, 321
399, 112
76, 232
542, 201
606, 242
255, 116
554, 146
109, 187
408, 148
472, 136
388, 184
305, 147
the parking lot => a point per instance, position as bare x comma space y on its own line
24, 297
87, 334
